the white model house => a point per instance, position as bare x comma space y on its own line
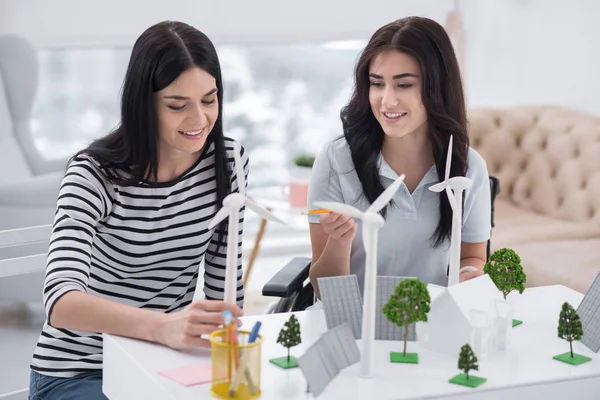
473, 312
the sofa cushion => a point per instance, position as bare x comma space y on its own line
572, 263
515, 225
545, 157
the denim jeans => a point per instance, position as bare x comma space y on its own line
87, 385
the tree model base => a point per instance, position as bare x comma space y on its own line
410, 358
577, 359
282, 362
473, 381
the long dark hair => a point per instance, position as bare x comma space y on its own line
159, 56
442, 96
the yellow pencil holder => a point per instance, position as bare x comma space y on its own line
235, 367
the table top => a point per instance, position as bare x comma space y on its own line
528, 360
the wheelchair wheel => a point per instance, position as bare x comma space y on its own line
298, 301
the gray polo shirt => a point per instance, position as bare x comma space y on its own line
405, 247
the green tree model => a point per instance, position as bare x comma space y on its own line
467, 360
505, 270
409, 303
289, 336
569, 325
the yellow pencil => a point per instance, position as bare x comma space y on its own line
316, 212
227, 334
234, 340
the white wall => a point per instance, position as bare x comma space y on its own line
67, 22
517, 52
533, 52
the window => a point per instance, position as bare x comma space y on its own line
279, 100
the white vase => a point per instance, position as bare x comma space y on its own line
300, 174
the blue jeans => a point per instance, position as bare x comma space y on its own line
87, 385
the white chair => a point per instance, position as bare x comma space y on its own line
24, 237
22, 269
22, 266
28, 182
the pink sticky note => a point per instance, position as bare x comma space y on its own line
189, 375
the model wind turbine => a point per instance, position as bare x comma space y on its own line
232, 205
454, 188
372, 222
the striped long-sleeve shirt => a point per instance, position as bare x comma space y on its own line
139, 245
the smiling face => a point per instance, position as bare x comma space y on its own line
187, 110
395, 93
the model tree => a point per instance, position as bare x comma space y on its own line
289, 336
467, 361
570, 329
569, 325
409, 303
505, 270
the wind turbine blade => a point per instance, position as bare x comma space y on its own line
387, 195
438, 187
221, 215
340, 208
448, 159
239, 169
262, 211
451, 198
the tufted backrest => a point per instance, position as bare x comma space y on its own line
547, 158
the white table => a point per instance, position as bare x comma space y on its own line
525, 371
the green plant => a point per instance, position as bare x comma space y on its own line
505, 270
467, 360
304, 160
569, 325
409, 303
289, 336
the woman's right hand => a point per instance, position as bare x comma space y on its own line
339, 227
182, 329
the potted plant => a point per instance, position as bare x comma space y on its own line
505, 270
300, 178
304, 161
409, 303
570, 329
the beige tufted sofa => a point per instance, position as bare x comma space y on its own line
548, 211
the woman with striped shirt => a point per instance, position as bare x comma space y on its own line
131, 224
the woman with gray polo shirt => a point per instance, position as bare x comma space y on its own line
407, 102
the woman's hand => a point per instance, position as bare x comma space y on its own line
339, 227
182, 329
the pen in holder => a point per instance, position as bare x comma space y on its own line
232, 377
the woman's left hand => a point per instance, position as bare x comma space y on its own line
469, 274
